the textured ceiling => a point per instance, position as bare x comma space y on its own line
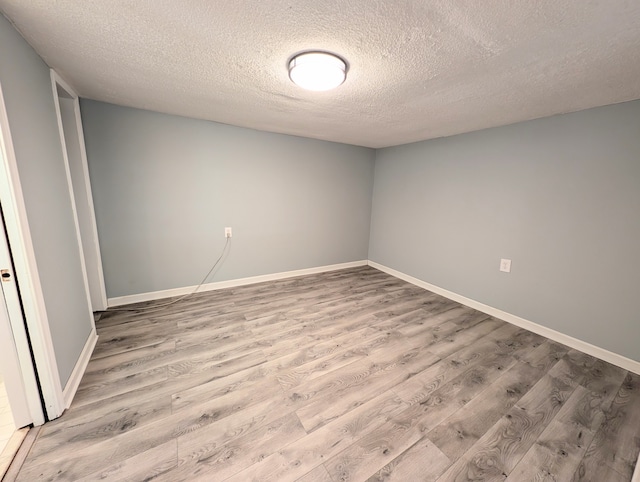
417, 69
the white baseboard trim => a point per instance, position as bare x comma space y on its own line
78, 371
157, 295
583, 346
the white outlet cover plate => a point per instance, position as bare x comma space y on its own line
227, 232
505, 265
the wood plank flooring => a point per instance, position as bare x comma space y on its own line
351, 375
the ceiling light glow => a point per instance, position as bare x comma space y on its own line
317, 71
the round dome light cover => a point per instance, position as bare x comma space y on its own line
317, 70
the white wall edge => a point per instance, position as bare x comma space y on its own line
636, 472
78, 371
156, 295
583, 346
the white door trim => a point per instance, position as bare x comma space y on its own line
15, 372
27, 273
55, 80
92, 266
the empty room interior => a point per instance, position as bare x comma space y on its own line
320, 241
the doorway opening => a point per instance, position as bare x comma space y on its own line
72, 138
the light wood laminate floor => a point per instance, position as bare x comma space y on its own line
347, 375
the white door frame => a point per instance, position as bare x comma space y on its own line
26, 271
81, 195
15, 360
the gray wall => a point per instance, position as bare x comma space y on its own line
165, 187
30, 106
559, 196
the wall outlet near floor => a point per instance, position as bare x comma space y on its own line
227, 232
505, 265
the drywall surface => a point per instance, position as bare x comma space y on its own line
560, 197
165, 187
34, 130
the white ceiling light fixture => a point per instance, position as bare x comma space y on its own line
317, 70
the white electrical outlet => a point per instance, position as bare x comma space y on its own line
227, 232
505, 265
